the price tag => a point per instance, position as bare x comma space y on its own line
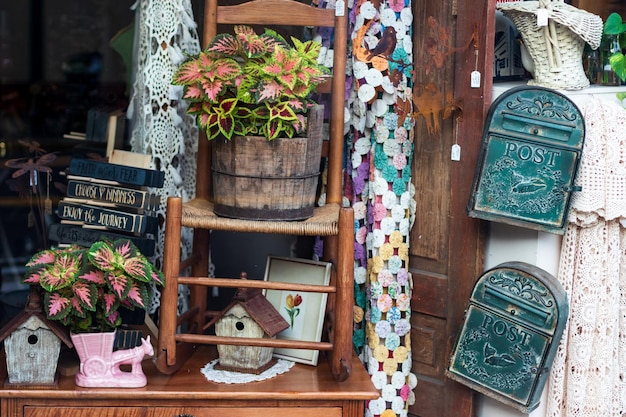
340, 7
475, 79
542, 17
455, 153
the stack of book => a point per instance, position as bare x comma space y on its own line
106, 200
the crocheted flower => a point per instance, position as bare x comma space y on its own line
359, 254
391, 148
384, 303
403, 302
381, 133
402, 276
376, 290
375, 315
399, 161
392, 341
383, 328
380, 159
358, 314
394, 289
391, 121
402, 327
400, 134
386, 252
394, 264
360, 298
360, 210
360, 274
399, 186
380, 212
403, 252
393, 315
389, 172
395, 238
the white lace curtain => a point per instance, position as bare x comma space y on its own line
588, 377
164, 31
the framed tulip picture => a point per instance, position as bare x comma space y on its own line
304, 311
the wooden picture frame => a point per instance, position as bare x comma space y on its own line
306, 312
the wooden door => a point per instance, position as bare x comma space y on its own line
446, 245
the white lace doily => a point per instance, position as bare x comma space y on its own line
229, 377
588, 376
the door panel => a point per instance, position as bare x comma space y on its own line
446, 245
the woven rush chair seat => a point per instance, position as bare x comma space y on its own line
198, 213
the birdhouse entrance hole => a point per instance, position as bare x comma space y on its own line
33, 339
239, 326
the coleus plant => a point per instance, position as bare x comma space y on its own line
251, 84
85, 287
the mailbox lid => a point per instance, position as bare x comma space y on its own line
531, 149
525, 293
513, 323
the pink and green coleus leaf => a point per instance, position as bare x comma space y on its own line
210, 90
268, 91
118, 283
283, 67
193, 71
86, 293
225, 44
307, 49
44, 257
110, 303
57, 305
251, 44
62, 273
78, 310
102, 256
113, 320
138, 296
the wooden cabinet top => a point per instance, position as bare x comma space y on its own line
300, 383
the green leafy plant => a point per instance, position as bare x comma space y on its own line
85, 287
251, 84
616, 27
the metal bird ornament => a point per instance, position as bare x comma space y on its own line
386, 45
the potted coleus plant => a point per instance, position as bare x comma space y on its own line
251, 84
257, 88
83, 289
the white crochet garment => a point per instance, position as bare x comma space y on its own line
588, 376
164, 31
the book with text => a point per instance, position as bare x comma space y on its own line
118, 173
95, 216
91, 192
69, 233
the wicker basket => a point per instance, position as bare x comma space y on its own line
556, 49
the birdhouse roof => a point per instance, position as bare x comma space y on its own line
259, 309
23, 316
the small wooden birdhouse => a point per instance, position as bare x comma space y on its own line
32, 345
250, 315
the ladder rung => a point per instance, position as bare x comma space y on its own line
270, 285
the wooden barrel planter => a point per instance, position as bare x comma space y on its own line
258, 179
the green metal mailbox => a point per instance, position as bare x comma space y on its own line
513, 323
530, 152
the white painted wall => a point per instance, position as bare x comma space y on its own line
510, 243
